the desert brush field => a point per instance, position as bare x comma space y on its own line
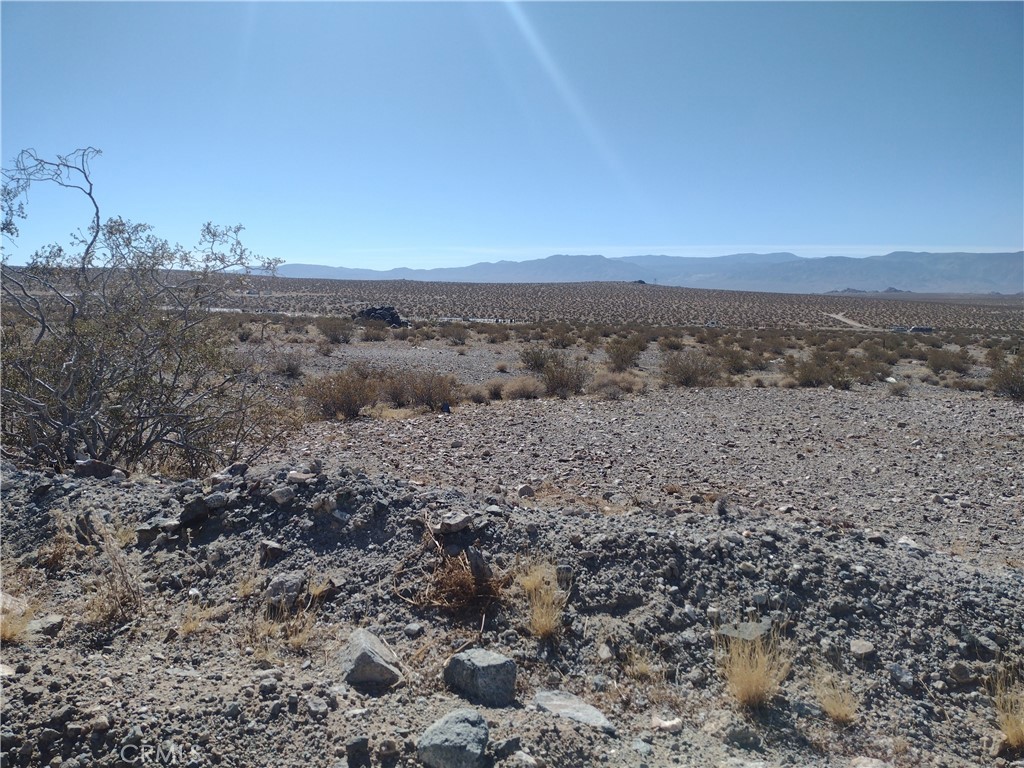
520, 525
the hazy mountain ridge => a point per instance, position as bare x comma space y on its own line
920, 272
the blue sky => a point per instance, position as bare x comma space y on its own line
440, 134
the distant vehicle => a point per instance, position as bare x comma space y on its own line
921, 329
900, 329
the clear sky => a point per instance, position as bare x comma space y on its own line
439, 134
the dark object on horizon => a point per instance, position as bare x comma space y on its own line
921, 329
387, 315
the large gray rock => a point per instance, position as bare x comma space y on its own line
457, 740
574, 708
284, 589
485, 677
366, 661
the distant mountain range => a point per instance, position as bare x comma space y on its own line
770, 272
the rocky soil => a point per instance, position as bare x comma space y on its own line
300, 612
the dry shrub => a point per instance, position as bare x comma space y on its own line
535, 357
339, 395
1007, 380
1008, 698
197, 618
478, 395
565, 376
624, 354
337, 330
522, 388
289, 364
899, 389
835, 695
454, 587
689, 368
494, 388
545, 600
753, 670
116, 598
430, 389
612, 386
15, 616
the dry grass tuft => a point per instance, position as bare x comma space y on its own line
15, 615
116, 597
753, 670
546, 601
835, 695
454, 587
1008, 697
642, 665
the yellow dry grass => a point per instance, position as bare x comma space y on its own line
753, 670
836, 696
545, 600
1008, 697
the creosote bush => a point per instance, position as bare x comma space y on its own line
1007, 380
115, 354
340, 395
689, 368
565, 376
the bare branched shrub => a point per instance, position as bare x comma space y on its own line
431, 389
116, 355
289, 364
339, 395
689, 368
753, 670
494, 388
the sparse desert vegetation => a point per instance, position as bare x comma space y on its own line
328, 505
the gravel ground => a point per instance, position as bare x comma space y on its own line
880, 536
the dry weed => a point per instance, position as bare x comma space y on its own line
643, 666
15, 615
116, 597
1008, 697
546, 601
753, 670
835, 695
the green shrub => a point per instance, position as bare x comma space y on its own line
940, 360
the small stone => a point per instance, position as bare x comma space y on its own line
574, 708
368, 662
674, 725
525, 492
413, 630
233, 710
48, 625
216, 500
457, 740
316, 707
282, 495
861, 649
482, 676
